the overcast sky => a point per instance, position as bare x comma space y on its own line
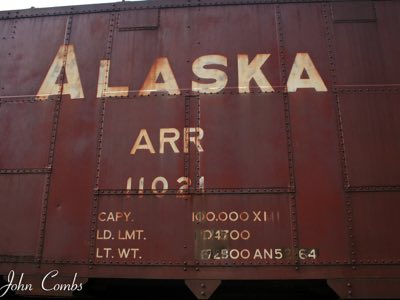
21, 4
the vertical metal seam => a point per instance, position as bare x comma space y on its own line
116, 25
198, 171
187, 125
11, 32
329, 35
292, 196
100, 131
187, 96
158, 17
56, 116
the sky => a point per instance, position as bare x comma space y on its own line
21, 4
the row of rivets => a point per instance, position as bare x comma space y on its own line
97, 191
56, 115
126, 6
292, 197
100, 132
345, 176
25, 171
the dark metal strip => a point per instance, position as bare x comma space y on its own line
196, 191
16, 259
198, 157
388, 188
371, 88
26, 99
186, 163
138, 28
26, 171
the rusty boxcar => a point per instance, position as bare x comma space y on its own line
201, 141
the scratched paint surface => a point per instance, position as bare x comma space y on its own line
193, 138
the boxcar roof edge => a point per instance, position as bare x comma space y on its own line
139, 5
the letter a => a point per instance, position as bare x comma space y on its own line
160, 68
72, 86
302, 63
146, 146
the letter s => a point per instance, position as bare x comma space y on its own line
80, 287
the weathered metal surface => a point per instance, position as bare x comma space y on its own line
224, 168
312, 115
202, 140
372, 137
75, 160
25, 126
357, 43
23, 71
20, 218
375, 224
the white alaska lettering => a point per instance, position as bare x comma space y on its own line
161, 77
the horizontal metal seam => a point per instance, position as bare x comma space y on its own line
26, 171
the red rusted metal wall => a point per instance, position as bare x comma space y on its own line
309, 180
